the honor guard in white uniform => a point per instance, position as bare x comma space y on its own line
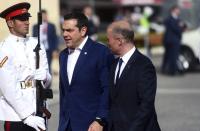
18, 73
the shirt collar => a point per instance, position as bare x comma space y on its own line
128, 55
80, 47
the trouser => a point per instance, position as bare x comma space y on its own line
173, 58
169, 64
69, 128
17, 126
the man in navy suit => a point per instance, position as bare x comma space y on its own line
172, 40
83, 82
48, 36
133, 83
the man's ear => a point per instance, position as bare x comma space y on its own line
83, 31
121, 41
118, 41
10, 23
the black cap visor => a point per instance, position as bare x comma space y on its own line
23, 17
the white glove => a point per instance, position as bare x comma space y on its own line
35, 122
40, 74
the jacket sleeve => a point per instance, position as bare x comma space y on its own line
10, 90
174, 26
146, 93
104, 67
53, 38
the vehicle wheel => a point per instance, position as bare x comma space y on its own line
185, 60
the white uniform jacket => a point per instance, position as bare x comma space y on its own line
17, 63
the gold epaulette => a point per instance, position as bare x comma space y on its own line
3, 61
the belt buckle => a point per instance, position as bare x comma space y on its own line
26, 84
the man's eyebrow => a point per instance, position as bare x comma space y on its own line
67, 29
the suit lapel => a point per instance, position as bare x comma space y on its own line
112, 75
64, 66
131, 61
82, 59
128, 65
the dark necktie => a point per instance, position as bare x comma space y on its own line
119, 68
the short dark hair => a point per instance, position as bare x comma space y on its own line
82, 20
174, 7
127, 34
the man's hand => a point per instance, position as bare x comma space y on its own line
36, 122
95, 126
38, 74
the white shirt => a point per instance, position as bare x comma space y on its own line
125, 59
17, 63
72, 59
43, 35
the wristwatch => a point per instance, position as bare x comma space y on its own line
101, 121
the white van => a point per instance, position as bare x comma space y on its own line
190, 49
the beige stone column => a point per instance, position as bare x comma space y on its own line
52, 7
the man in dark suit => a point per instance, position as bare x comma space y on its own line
84, 84
133, 83
48, 36
172, 40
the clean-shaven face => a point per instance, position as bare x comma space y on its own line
19, 27
71, 33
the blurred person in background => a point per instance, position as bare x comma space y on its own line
127, 16
136, 16
171, 41
133, 83
48, 36
83, 81
119, 15
18, 73
144, 21
94, 22
144, 28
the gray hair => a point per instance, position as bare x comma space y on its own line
127, 34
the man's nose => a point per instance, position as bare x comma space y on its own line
27, 22
65, 33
